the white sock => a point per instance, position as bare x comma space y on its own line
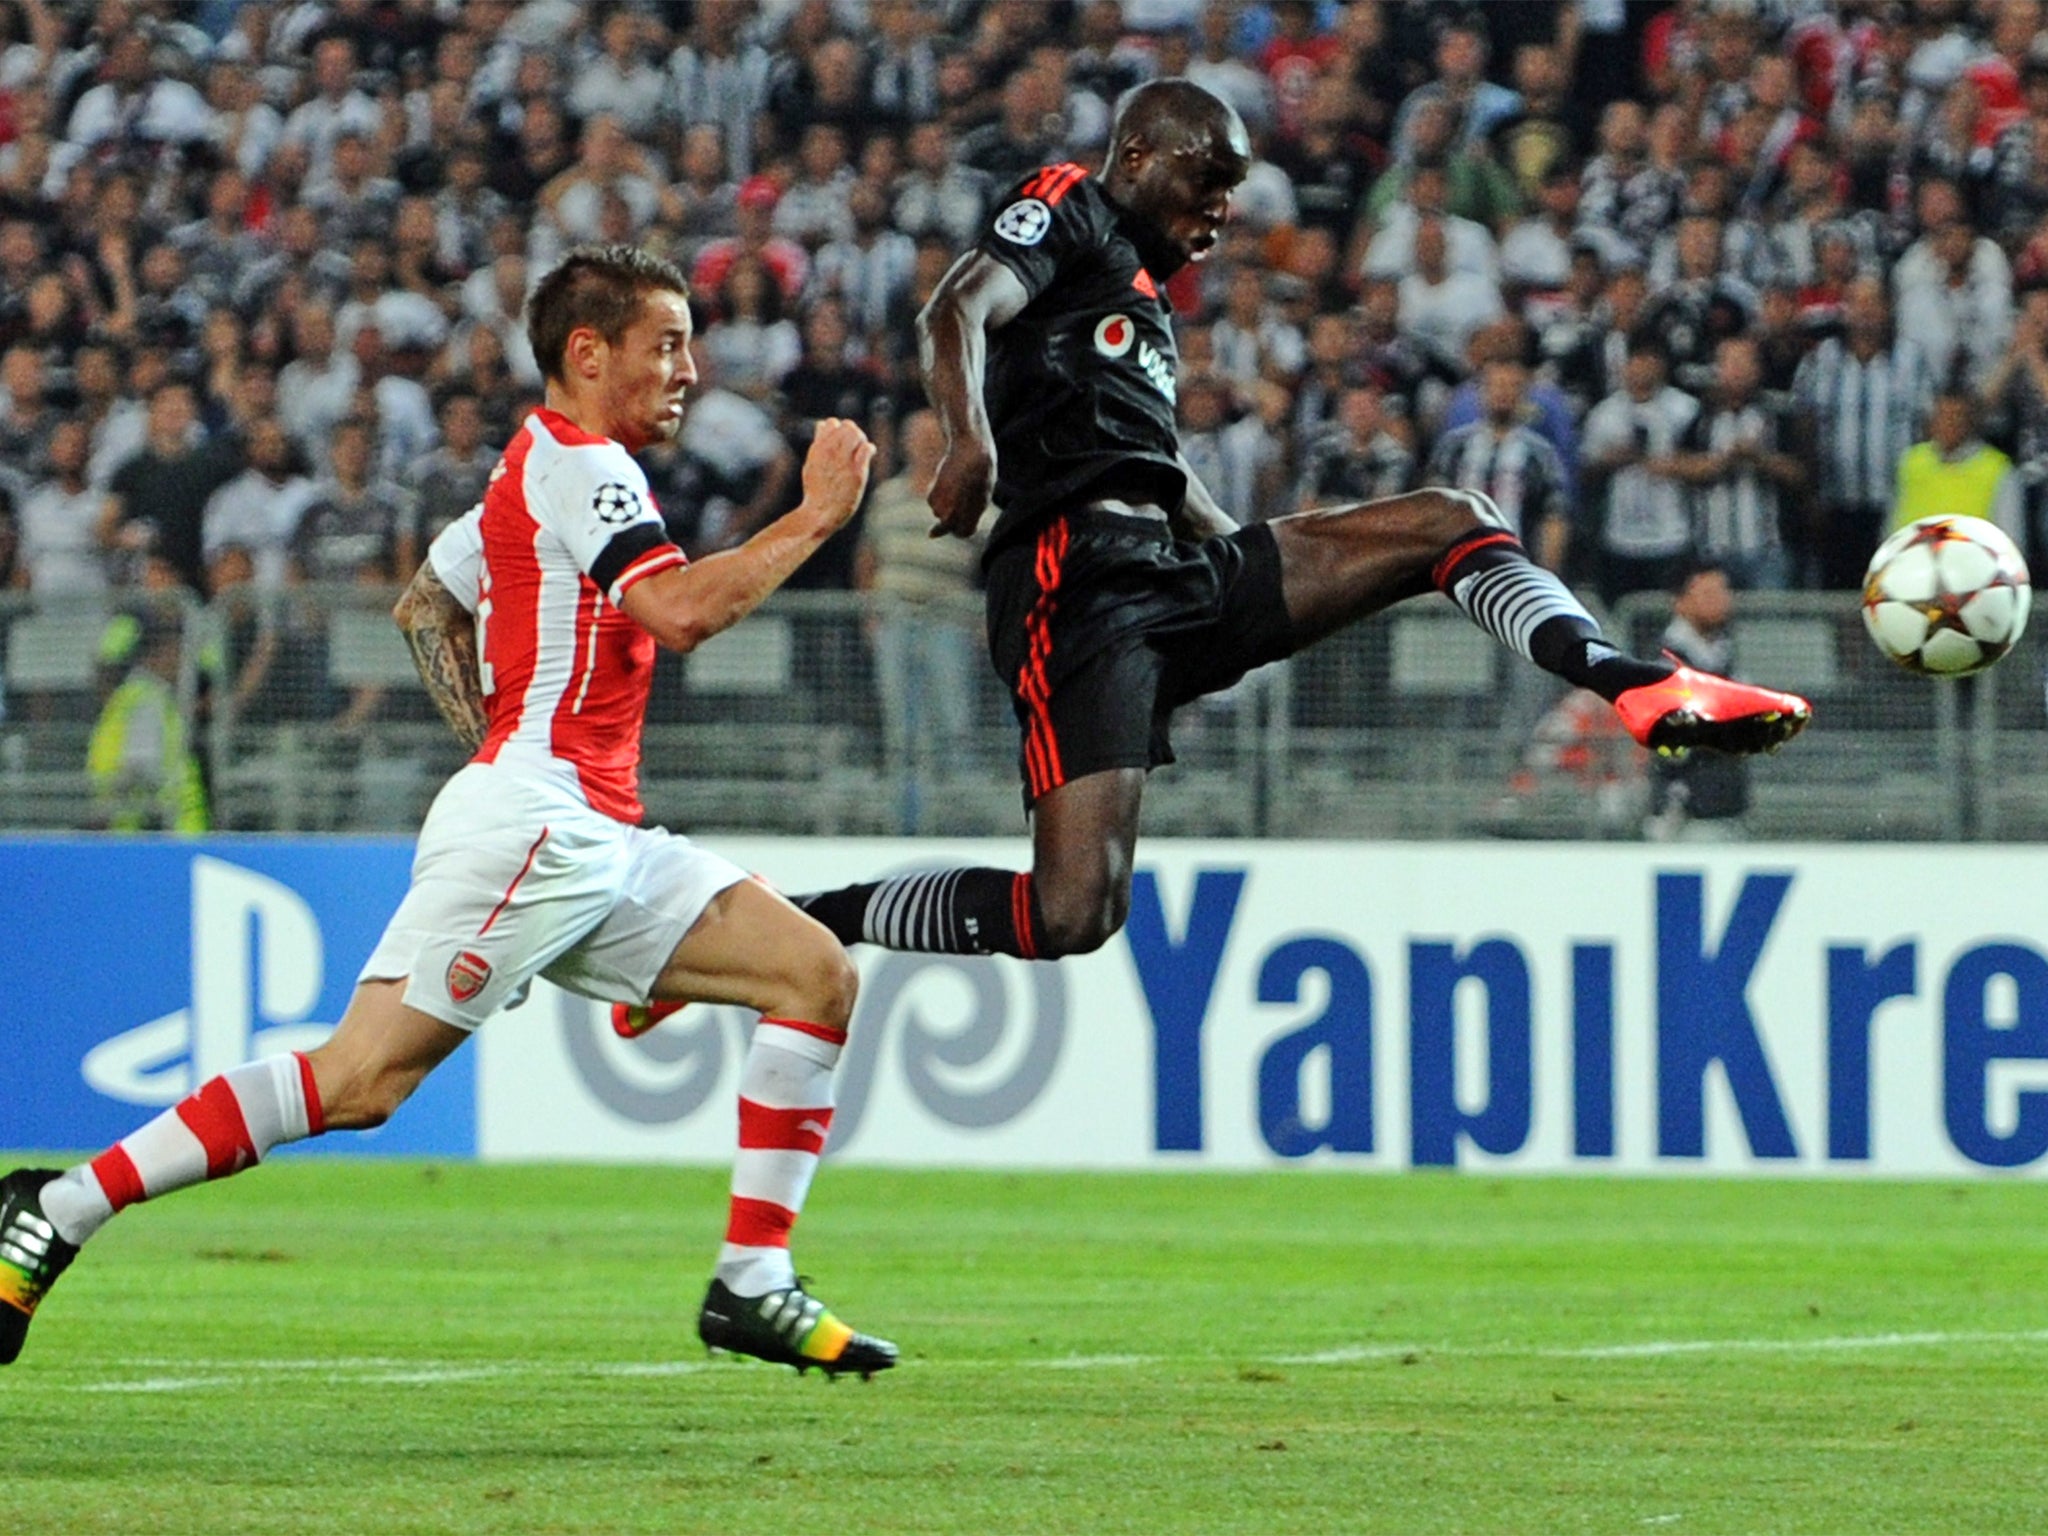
785, 1115
227, 1125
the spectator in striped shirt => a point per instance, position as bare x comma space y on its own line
1630, 443
1738, 457
1357, 458
1864, 396
1700, 304
1502, 456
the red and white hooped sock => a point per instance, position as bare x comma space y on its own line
227, 1125
785, 1115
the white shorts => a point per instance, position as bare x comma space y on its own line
515, 876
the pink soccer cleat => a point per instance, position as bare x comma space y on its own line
632, 1020
1696, 709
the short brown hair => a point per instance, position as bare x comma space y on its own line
598, 286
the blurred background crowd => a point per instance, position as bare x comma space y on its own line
1735, 281
1670, 281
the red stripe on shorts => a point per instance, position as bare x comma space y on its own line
1042, 768
506, 900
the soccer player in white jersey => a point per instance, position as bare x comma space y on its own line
534, 622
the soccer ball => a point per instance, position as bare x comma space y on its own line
1946, 596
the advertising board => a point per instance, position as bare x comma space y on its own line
1540, 1008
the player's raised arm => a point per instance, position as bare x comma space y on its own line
440, 629
980, 294
686, 605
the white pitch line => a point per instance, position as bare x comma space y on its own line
1660, 1347
433, 1376
336, 1362
1095, 1362
1351, 1354
387, 1372
648, 1368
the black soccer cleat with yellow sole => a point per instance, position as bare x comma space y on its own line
32, 1255
789, 1327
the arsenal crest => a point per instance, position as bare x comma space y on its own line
468, 974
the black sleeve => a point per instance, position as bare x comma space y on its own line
626, 546
1045, 224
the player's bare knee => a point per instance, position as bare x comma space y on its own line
1082, 936
357, 1098
824, 984
364, 1115
1454, 513
1080, 925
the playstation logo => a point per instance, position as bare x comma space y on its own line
257, 969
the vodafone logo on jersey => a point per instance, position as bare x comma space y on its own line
1113, 337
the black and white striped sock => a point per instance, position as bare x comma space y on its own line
941, 911
1533, 614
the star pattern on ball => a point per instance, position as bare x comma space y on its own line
1946, 595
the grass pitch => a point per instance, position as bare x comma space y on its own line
398, 1348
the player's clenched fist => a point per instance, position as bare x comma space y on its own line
836, 468
960, 491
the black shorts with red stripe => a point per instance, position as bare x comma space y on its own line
1103, 624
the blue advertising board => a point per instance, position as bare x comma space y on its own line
1596, 1009
138, 968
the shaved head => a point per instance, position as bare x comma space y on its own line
1175, 155
1178, 115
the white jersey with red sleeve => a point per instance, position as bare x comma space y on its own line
567, 526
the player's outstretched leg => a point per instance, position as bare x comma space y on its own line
226, 1126
752, 947
1084, 836
374, 1060
1341, 564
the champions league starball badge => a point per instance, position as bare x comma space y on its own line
1024, 222
615, 503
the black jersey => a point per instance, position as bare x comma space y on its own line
1079, 387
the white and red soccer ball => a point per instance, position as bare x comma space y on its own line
1946, 596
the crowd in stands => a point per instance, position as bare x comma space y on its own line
1669, 281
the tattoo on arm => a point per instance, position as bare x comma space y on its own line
442, 635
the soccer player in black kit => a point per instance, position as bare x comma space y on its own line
1118, 590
